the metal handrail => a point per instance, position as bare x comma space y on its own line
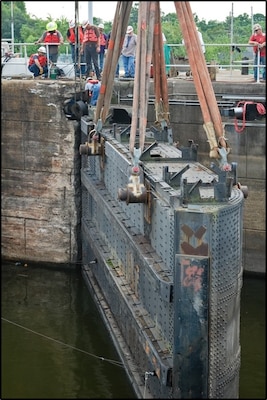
234, 65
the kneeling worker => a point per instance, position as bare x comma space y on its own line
38, 63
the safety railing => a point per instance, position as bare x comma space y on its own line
245, 61
16, 64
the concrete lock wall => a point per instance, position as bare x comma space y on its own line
40, 173
41, 165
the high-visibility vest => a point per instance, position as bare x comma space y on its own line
72, 34
41, 58
90, 35
52, 37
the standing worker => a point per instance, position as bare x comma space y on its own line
258, 40
91, 48
54, 39
75, 47
128, 52
117, 73
103, 46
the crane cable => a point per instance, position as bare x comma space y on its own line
213, 125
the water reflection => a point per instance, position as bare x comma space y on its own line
55, 344
253, 340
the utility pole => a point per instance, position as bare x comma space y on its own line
90, 12
232, 37
12, 28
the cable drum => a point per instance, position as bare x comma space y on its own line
79, 109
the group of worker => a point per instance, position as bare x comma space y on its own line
87, 53
89, 50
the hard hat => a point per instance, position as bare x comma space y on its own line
71, 24
42, 49
101, 26
256, 27
85, 23
129, 29
51, 26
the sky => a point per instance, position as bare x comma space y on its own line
208, 10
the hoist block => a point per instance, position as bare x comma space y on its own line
91, 149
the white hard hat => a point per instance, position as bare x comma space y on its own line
256, 27
129, 29
85, 23
42, 49
71, 24
101, 26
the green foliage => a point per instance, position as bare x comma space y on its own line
20, 18
232, 31
28, 29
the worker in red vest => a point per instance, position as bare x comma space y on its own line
91, 48
77, 57
52, 38
38, 63
103, 46
92, 90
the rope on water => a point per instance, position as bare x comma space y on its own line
114, 362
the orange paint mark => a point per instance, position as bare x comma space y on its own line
156, 29
111, 44
102, 89
193, 277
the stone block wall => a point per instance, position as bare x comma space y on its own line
40, 173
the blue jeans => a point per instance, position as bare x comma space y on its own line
95, 93
35, 70
262, 61
101, 56
129, 67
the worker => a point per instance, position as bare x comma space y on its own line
92, 89
91, 48
75, 47
103, 46
53, 38
38, 63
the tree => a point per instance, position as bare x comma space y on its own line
28, 29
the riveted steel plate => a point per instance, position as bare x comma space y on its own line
142, 268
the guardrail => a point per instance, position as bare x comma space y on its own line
247, 61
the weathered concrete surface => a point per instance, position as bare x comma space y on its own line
40, 173
41, 165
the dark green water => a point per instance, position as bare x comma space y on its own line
253, 339
55, 345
